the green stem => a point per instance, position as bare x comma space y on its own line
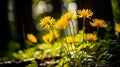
83, 27
70, 30
117, 37
67, 45
73, 33
83, 39
97, 32
73, 29
65, 49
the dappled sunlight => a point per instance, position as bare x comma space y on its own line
57, 33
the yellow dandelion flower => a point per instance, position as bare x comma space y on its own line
69, 39
62, 24
84, 13
117, 27
47, 38
68, 15
91, 37
54, 33
31, 38
98, 23
46, 21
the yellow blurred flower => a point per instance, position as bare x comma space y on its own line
54, 33
48, 38
117, 27
62, 23
69, 39
91, 37
46, 21
31, 38
98, 23
68, 15
84, 13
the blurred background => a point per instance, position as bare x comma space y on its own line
20, 17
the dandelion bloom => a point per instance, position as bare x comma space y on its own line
91, 37
54, 33
46, 21
68, 15
31, 38
69, 39
48, 38
98, 23
117, 27
62, 23
84, 13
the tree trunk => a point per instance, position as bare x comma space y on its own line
4, 25
24, 19
116, 10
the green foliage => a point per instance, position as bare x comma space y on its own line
13, 46
39, 51
7, 55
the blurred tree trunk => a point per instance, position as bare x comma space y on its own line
4, 25
102, 10
115, 47
24, 19
116, 10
